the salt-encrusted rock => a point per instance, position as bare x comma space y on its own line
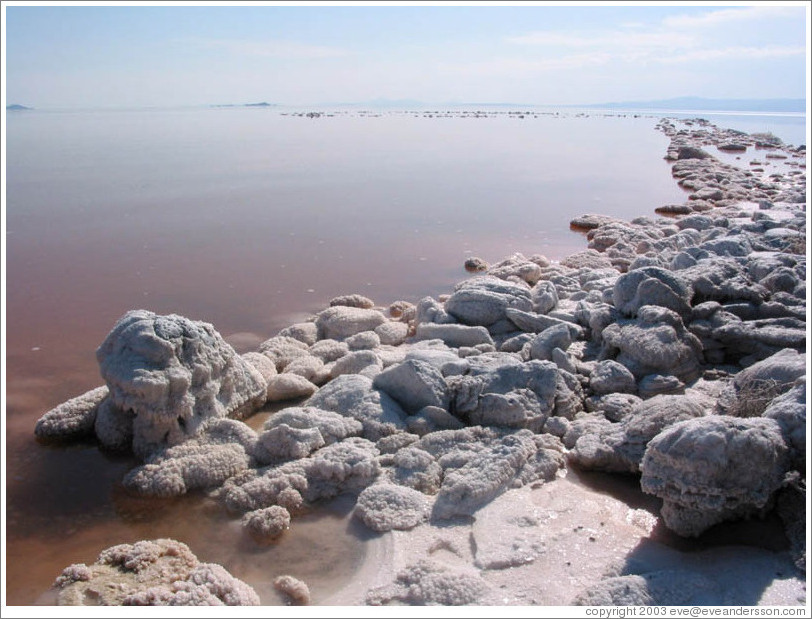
308, 366
752, 389
791, 508
429, 310
346, 466
544, 297
789, 410
295, 591
444, 359
536, 323
590, 221
219, 452
473, 479
713, 469
620, 447
174, 374
657, 343
364, 362
587, 259
453, 335
431, 584
353, 395
482, 300
674, 209
659, 384
267, 523
662, 588
263, 364
305, 332
114, 427
613, 406
366, 340
723, 280
516, 266
383, 507
332, 426
329, 350
283, 442
611, 377
475, 265
651, 286
289, 387
282, 349
416, 468
73, 419
403, 311
516, 396
541, 347
692, 152
352, 300
431, 419
760, 339
340, 321
151, 573
595, 317
414, 385
392, 333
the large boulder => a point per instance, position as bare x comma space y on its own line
483, 300
619, 447
656, 343
651, 286
414, 385
341, 321
713, 469
174, 374
521, 395
353, 395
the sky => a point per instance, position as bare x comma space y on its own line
65, 56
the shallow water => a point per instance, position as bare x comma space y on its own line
250, 219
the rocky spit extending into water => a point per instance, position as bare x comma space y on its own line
671, 351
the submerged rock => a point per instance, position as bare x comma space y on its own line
72, 420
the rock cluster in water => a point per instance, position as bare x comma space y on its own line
161, 572
671, 348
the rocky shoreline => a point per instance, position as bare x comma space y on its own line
671, 349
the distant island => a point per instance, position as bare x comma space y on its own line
17, 106
719, 105
261, 104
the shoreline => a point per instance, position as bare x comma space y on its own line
472, 331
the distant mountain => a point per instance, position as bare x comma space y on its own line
17, 106
708, 105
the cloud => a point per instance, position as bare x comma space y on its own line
736, 53
618, 39
726, 16
521, 68
269, 48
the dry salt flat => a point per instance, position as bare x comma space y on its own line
625, 426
